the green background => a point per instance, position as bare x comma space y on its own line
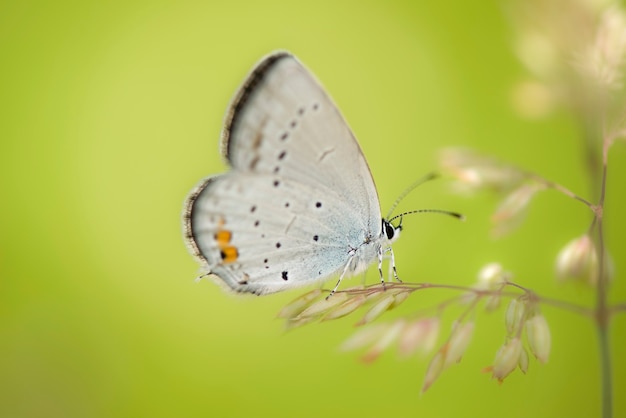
111, 113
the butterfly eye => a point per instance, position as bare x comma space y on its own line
390, 231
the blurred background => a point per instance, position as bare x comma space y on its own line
112, 111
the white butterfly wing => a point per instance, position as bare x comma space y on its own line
272, 244
300, 196
283, 122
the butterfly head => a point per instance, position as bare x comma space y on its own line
390, 231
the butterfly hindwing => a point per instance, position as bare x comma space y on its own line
262, 244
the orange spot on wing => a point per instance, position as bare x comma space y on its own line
229, 254
223, 237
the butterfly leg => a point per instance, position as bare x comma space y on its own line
381, 255
393, 265
343, 273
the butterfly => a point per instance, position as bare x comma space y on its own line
299, 204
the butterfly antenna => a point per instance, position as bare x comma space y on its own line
442, 212
427, 177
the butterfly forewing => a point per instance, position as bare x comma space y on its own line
283, 122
